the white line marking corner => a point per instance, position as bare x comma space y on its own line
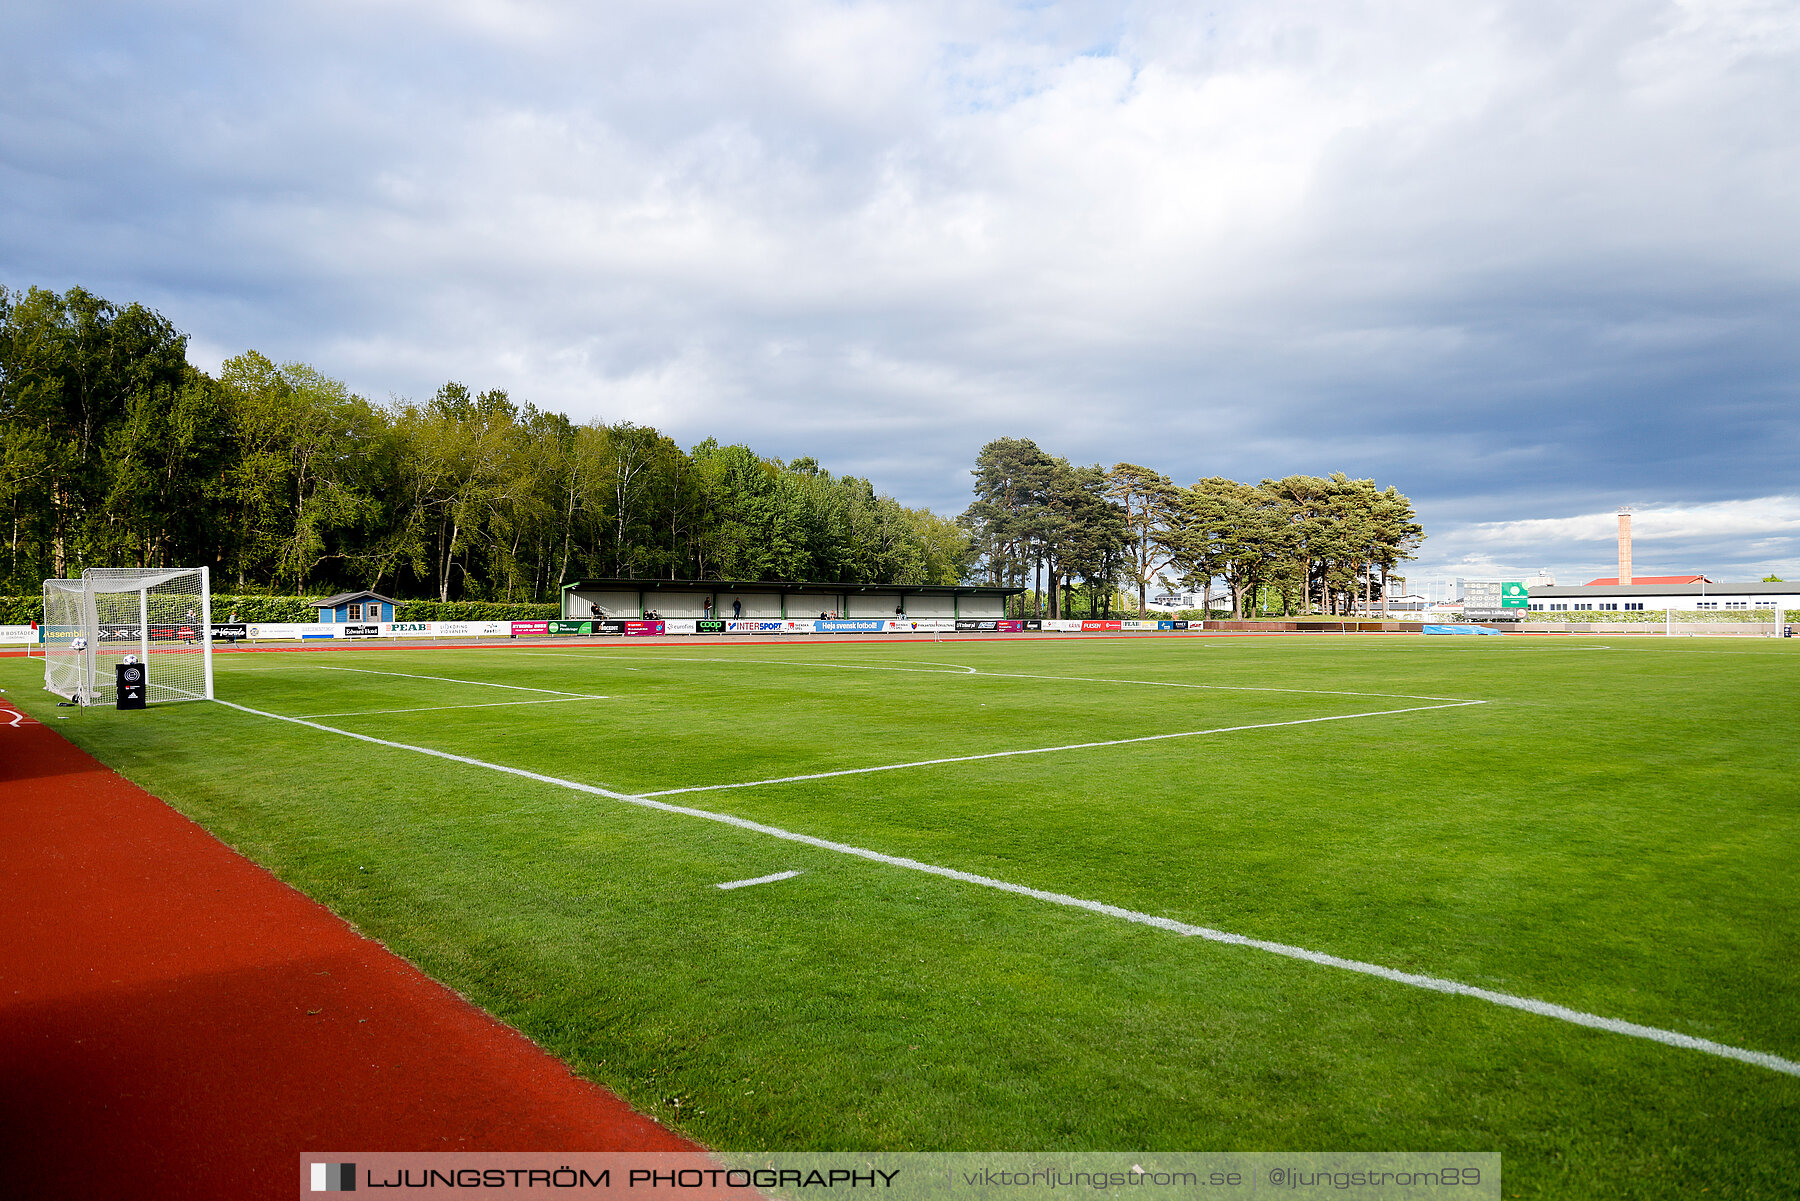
758, 880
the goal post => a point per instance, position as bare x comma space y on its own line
160, 616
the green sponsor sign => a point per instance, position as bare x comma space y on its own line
571, 627
1514, 595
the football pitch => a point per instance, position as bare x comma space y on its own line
1534, 896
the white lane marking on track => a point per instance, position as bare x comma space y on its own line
1019, 675
549, 700
1561, 1013
758, 880
1046, 750
406, 675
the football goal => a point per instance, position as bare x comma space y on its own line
160, 617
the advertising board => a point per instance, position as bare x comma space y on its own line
1092, 626
561, 628
277, 630
627, 627
362, 631
471, 629
708, 625
230, 631
841, 626
528, 629
408, 629
18, 634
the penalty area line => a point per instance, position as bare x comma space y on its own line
549, 700
1048, 750
1561, 1013
407, 675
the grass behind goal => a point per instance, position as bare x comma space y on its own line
1612, 830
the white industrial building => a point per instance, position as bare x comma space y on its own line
1701, 595
1626, 592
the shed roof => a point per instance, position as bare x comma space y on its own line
344, 598
768, 586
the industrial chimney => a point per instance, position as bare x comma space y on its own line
1625, 545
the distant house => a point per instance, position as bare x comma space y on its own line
362, 607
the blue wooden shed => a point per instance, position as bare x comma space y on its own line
356, 607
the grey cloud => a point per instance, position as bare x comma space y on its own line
1519, 260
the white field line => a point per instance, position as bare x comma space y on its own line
549, 700
447, 680
1018, 675
1547, 1009
758, 880
1047, 750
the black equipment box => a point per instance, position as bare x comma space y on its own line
129, 678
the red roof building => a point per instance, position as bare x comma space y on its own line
1610, 581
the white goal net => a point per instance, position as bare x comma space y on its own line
159, 617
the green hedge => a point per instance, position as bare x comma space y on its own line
429, 610
21, 610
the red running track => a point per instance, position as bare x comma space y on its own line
176, 1022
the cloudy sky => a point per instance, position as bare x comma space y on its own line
1525, 261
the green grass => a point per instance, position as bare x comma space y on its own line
1613, 830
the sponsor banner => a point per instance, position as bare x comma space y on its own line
1062, 626
631, 629
976, 625
920, 625
175, 632
561, 628
230, 631
709, 625
1091, 626
528, 628
1179, 624
297, 629
1031, 623
679, 625
409, 629
18, 634
471, 629
768, 626
844, 626
1137, 625
362, 631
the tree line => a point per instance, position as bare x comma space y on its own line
1071, 534
115, 451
